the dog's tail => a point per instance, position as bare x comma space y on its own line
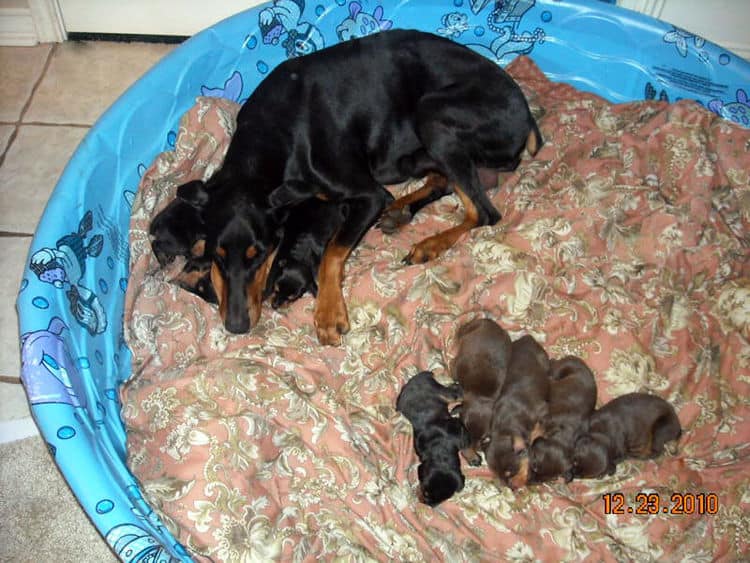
534, 141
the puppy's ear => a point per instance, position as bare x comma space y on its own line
194, 193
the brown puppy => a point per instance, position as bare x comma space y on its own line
520, 407
634, 425
480, 367
572, 398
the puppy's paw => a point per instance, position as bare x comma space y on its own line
472, 457
393, 219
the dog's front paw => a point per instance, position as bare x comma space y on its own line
331, 320
471, 456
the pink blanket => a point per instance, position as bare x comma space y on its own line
625, 241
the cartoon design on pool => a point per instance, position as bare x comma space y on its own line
504, 19
232, 89
679, 38
454, 24
359, 23
737, 111
284, 17
64, 267
49, 372
133, 544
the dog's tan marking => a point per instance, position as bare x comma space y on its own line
432, 181
432, 247
532, 143
521, 478
250, 251
519, 444
220, 288
189, 279
199, 248
221, 251
255, 289
536, 432
331, 318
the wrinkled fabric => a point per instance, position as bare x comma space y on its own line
624, 241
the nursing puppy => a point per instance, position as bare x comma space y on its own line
636, 425
308, 228
572, 398
438, 437
517, 412
480, 368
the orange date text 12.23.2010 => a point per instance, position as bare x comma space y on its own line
653, 503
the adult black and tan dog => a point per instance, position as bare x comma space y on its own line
339, 124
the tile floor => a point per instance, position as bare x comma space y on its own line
50, 95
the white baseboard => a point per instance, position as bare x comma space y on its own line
17, 27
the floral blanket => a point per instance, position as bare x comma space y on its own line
625, 241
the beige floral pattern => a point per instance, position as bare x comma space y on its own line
625, 241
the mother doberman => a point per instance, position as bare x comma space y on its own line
340, 124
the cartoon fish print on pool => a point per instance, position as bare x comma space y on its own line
359, 23
737, 111
231, 91
48, 371
64, 267
504, 20
283, 22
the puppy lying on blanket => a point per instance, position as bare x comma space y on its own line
480, 368
634, 425
438, 437
178, 231
307, 230
572, 398
517, 412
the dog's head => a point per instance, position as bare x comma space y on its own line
548, 460
176, 231
437, 483
242, 234
507, 457
591, 458
288, 281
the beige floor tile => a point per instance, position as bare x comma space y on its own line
42, 521
20, 68
13, 402
5, 133
31, 169
12, 262
84, 78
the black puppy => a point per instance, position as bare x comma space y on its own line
178, 230
340, 124
572, 398
307, 230
636, 425
438, 437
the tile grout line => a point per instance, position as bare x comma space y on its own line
26, 106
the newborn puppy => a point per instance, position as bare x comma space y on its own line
480, 367
438, 437
177, 230
634, 425
572, 398
519, 408
308, 228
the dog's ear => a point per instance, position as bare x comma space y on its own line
289, 193
194, 193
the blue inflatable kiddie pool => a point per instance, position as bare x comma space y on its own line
71, 299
